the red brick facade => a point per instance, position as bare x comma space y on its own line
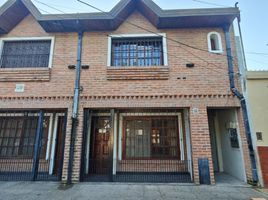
204, 86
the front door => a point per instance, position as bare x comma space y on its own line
100, 162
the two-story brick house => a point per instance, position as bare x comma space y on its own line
154, 103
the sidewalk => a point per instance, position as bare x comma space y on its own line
117, 191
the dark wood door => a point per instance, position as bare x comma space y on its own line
100, 156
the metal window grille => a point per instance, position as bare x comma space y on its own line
21, 54
28, 152
137, 52
152, 137
17, 136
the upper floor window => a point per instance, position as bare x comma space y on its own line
32, 53
214, 42
137, 50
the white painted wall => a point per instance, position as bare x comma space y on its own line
232, 160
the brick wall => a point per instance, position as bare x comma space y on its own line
205, 85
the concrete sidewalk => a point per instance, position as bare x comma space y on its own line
117, 191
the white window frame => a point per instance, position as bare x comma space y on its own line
51, 38
164, 43
219, 42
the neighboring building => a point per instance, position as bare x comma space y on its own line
257, 89
155, 102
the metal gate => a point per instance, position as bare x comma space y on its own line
31, 145
101, 161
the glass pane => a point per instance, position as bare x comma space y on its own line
137, 52
138, 138
17, 54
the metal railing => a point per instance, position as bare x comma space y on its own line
159, 171
152, 171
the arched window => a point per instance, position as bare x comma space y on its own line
214, 42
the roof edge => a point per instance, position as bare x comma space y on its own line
257, 75
112, 19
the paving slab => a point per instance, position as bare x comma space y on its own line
118, 191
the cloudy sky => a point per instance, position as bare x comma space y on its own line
253, 13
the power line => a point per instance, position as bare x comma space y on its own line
204, 60
65, 7
157, 34
209, 3
256, 61
50, 6
142, 28
257, 53
189, 46
218, 70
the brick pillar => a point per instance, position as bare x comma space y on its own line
201, 147
244, 142
67, 145
78, 146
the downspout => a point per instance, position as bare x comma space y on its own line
75, 107
242, 99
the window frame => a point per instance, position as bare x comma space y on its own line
150, 118
118, 36
220, 50
43, 154
14, 39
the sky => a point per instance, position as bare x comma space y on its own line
253, 17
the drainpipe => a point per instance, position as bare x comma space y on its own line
75, 107
242, 99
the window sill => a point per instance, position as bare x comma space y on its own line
138, 73
24, 74
216, 51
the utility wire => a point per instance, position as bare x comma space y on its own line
64, 7
49, 6
173, 55
218, 70
209, 3
157, 34
260, 62
142, 28
257, 53
183, 44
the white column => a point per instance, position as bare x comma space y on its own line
89, 122
181, 136
188, 141
115, 144
120, 137
49, 136
53, 148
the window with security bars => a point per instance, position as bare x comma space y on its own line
23, 54
152, 137
17, 136
137, 51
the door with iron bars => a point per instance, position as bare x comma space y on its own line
98, 162
100, 148
31, 145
